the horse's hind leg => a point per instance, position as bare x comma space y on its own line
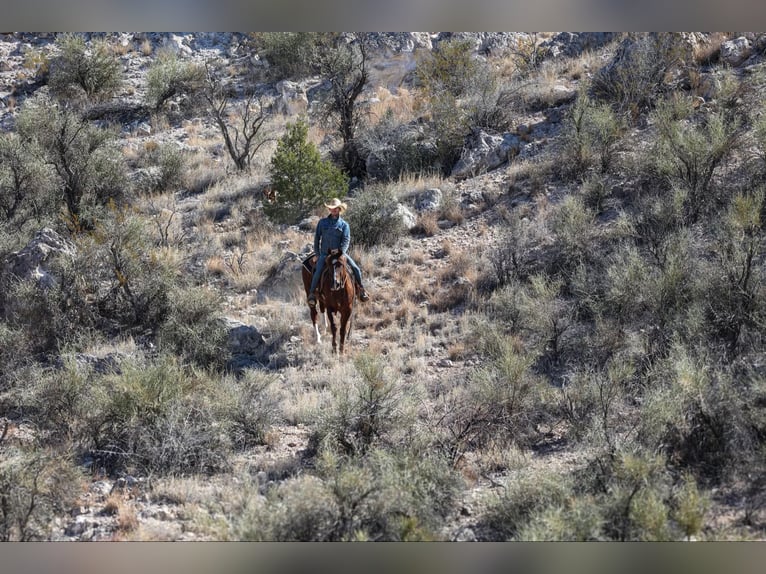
344, 325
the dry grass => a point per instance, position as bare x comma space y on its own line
125, 514
709, 50
404, 106
146, 47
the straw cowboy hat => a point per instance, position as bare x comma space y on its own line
335, 202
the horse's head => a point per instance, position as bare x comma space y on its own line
336, 262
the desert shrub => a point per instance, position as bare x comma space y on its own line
575, 232
61, 399
35, 488
626, 274
516, 255
373, 217
79, 68
252, 406
365, 410
592, 400
546, 319
449, 68
580, 520
449, 127
90, 170
26, 184
523, 497
690, 506
158, 417
736, 280
625, 494
381, 497
289, 54
502, 401
130, 277
528, 53
14, 353
169, 165
635, 505
707, 420
301, 179
241, 122
169, 76
393, 149
690, 153
193, 328
638, 71
49, 318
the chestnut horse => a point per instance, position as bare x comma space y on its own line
336, 292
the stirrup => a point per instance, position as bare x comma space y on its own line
312, 301
363, 296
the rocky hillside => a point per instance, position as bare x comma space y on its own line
564, 340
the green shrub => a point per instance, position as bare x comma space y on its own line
516, 256
170, 163
706, 420
193, 328
301, 179
449, 126
736, 286
580, 520
501, 403
690, 506
449, 68
90, 170
638, 71
393, 149
365, 410
382, 497
26, 184
157, 418
131, 276
522, 499
373, 217
14, 353
169, 76
289, 54
575, 233
35, 489
689, 153
92, 70
252, 406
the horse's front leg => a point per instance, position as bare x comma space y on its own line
314, 317
334, 329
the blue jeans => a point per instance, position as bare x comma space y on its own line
320, 266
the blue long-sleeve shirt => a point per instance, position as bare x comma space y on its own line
332, 233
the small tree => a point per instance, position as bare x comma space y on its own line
301, 179
344, 64
243, 140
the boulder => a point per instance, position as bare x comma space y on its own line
484, 152
735, 52
32, 262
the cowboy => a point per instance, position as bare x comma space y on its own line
333, 232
